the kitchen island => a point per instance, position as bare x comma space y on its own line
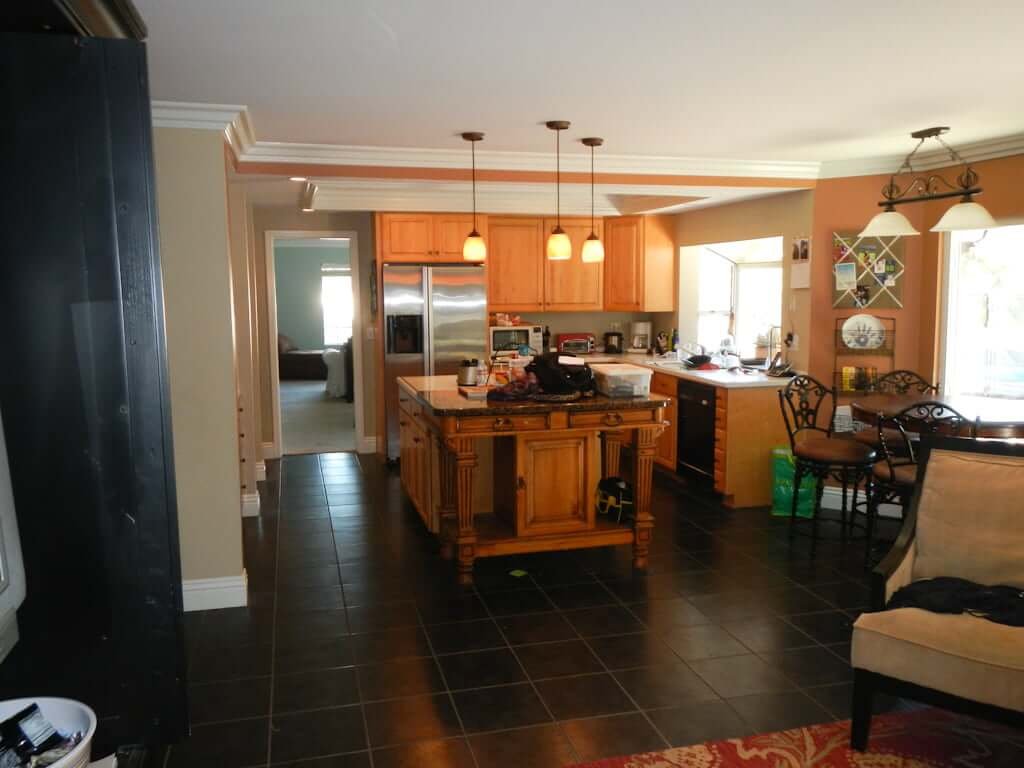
547, 462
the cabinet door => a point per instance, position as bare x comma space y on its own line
623, 264
572, 285
407, 236
665, 451
450, 230
515, 264
421, 448
406, 462
556, 483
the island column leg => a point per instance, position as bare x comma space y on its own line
612, 450
644, 444
465, 535
448, 514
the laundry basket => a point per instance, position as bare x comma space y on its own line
67, 716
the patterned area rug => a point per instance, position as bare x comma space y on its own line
926, 738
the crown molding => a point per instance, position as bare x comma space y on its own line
235, 122
974, 152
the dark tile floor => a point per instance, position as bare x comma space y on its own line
358, 649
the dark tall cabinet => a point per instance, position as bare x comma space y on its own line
84, 388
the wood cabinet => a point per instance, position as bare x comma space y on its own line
747, 426
425, 237
665, 453
415, 461
515, 264
639, 265
572, 285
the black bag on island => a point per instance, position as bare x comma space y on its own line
558, 379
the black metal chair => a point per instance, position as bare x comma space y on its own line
899, 382
820, 454
898, 436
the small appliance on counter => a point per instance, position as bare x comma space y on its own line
613, 343
575, 343
469, 373
510, 338
640, 338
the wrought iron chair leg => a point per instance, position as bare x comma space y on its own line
842, 512
819, 490
798, 476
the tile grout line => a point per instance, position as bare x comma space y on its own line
273, 611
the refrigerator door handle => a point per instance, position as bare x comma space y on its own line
428, 325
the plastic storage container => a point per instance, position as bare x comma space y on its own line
67, 716
622, 379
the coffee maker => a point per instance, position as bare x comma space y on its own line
613, 342
641, 337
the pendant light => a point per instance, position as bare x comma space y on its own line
559, 245
474, 248
593, 249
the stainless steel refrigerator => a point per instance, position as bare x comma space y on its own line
434, 317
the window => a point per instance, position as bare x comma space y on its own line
758, 307
714, 299
336, 300
984, 318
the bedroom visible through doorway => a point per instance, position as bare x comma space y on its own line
315, 312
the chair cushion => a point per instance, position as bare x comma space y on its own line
955, 653
902, 474
970, 521
832, 450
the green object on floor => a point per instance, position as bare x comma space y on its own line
783, 466
518, 573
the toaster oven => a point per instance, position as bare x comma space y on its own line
575, 343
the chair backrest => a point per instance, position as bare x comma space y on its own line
801, 401
929, 417
969, 511
902, 382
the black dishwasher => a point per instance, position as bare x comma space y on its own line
695, 432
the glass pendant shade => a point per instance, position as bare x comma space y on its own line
559, 245
968, 215
889, 224
593, 250
474, 248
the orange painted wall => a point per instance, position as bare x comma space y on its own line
847, 204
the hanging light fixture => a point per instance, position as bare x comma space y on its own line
593, 249
559, 245
474, 248
966, 214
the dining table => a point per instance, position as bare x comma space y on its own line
994, 417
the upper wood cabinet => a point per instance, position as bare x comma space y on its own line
425, 237
515, 264
572, 285
639, 264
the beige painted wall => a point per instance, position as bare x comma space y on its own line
289, 218
192, 209
790, 215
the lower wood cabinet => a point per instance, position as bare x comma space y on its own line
666, 452
415, 461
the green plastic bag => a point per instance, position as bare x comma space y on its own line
782, 486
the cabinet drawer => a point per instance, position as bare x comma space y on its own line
524, 423
664, 384
612, 419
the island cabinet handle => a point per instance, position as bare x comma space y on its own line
502, 423
402, 423
612, 419
416, 440
521, 484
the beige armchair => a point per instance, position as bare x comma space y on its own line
966, 519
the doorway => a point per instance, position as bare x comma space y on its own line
314, 320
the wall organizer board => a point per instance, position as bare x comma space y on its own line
866, 271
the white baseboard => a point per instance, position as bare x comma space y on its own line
268, 451
832, 498
261, 470
367, 445
207, 594
250, 505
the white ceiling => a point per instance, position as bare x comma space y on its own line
791, 80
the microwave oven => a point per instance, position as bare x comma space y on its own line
510, 338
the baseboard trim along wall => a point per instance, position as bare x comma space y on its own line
367, 445
832, 498
250, 505
261, 471
208, 594
267, 449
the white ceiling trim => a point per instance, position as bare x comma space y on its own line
236, 124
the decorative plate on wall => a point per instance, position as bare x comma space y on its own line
863, 332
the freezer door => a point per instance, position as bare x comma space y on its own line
405, 338
456, 317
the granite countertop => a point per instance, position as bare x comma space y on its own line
441, 395
723, 379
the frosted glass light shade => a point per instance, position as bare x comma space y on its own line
474, 248
968, 215
593, 250
559, 245
889, 224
